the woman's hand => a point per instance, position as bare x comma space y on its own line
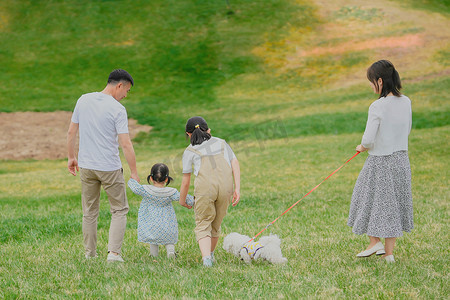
361, 148
236, 197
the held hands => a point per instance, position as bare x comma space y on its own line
72, 165
361, 148
135, 176
183, 203
236, 197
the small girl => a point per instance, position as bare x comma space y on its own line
157, 222
215, 165
381, 205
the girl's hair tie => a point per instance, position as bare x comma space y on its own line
159, 173
197, 126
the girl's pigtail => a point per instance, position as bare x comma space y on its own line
198, 128
169, 179
159, 173
196, 137
199, 136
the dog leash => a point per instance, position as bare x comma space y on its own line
303, 197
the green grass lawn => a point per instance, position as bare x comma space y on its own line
42, 253
290, 127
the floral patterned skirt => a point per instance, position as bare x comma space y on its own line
381, 203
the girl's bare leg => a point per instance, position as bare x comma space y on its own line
205, 246
214, 241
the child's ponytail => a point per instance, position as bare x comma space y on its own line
198, 128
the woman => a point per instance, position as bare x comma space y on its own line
381, 205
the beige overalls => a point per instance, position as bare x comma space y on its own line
213, 189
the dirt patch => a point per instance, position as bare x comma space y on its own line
40, 135
405, 41
363, 31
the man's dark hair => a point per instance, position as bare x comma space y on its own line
119, 75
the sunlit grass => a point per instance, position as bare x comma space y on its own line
319, 245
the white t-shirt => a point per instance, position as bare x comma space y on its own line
213, 146
388, 125
101, 119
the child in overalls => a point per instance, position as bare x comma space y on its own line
214, 165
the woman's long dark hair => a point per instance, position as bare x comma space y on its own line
385, 70
198, 127
159, 173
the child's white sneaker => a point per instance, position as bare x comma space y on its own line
114, 257
207, 261
171, 251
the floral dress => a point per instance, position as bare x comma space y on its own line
157, 222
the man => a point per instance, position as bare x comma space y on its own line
103, 125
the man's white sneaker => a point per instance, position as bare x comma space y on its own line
207, 262
114, 257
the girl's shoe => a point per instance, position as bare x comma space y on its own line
207, 261
366, 253
171, 255
389, 258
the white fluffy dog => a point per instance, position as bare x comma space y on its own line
267, 248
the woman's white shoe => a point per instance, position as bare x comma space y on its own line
380, 252
389, 258
377, 247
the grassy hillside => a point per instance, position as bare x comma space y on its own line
441, 6
191, 58
284, 82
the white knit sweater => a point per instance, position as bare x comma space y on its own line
388, 125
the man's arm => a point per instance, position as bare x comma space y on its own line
72, 163
128, 152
